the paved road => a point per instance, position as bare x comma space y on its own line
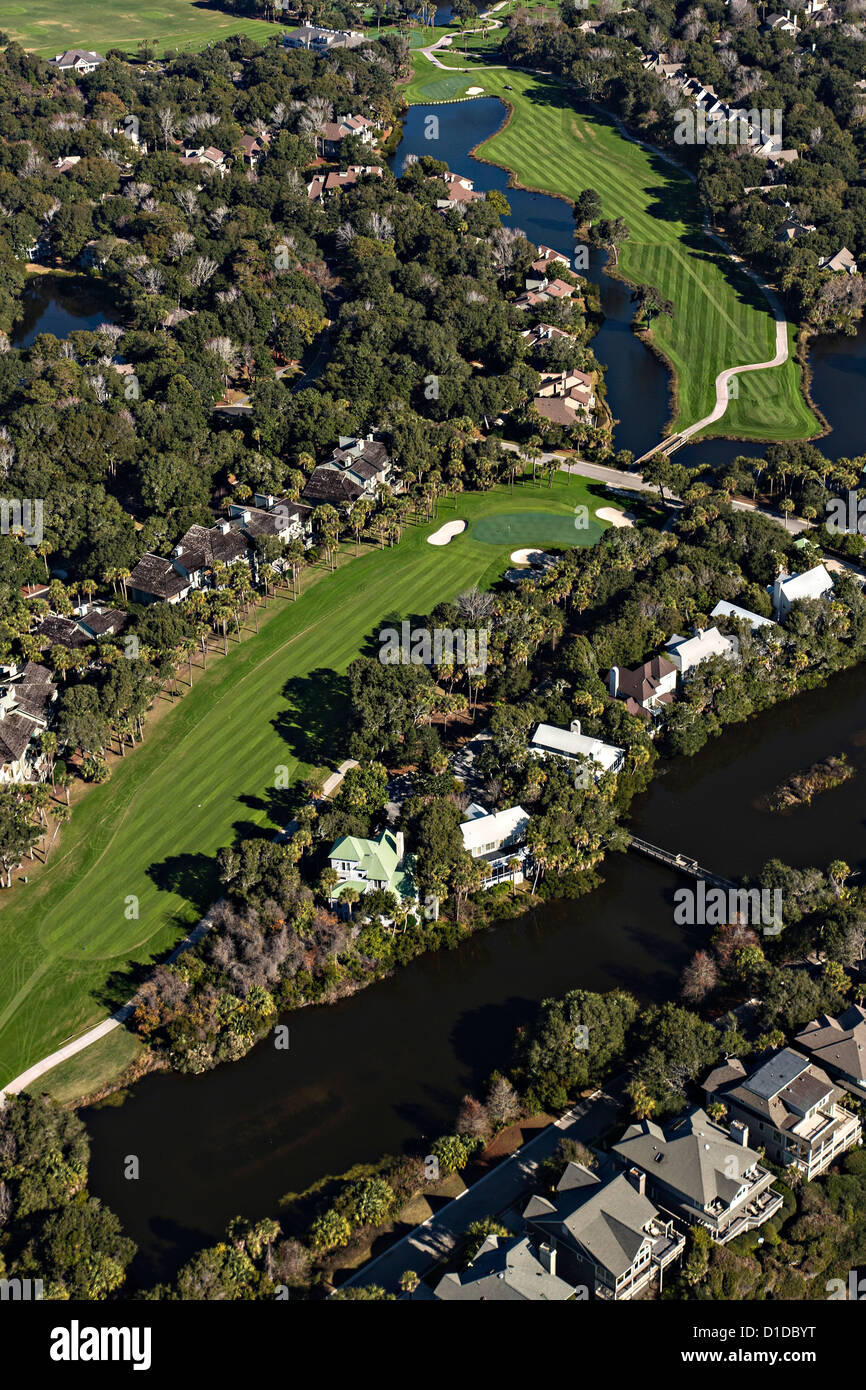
636, 482
100, 1030
505, 1186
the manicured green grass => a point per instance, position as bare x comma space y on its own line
91, 1069
721, 318
48, 28
207, 773
522, 529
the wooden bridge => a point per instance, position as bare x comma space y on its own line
680, 862
667, 446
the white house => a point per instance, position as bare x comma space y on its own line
77, 60
570, 744
498, 838
688, 652
743, 615
788, 589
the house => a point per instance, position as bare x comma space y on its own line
791, 229
320, 184
88, 624
570, 745
498, 839
77, 60
327, 485
606, 1236
26, 697
507, 1269
458, 192
564, 398
544, 333
700, 1174
788, 589
190, 565
321, 40
207, 155
791, 1106
781, 23
371, 865
724, 609
364, 459
332, 134
838, 1045
547, 255
842, 263
252, 147
156, 580
279, 518
647, 687
687, 653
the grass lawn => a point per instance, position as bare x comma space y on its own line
721, 318
207, 773
102, 24
521, 529
91, 1069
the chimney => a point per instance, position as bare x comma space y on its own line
613, 681
547, 1257
575, 727
637, 1178
740, 1133
225, 527
401, 849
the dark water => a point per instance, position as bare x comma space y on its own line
386, 1069
60, 305
637, 381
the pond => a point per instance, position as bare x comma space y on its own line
58, 304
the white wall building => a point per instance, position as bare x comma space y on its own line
570, 745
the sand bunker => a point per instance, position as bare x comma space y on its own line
474, 91
614, 516
445, 533
525, 557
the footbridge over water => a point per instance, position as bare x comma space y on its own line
680, 862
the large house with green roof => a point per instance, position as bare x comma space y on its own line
368, 865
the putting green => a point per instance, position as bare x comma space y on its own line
536, 529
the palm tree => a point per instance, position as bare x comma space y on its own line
62, 816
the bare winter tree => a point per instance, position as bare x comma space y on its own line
165, 120
187, 201
700, 977
474, 605
180, 243
344, 234
202, 271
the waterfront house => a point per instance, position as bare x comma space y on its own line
564, 397
788, 589
498, 839
604, 1235
507, 1269
645, 689
838, 1044
687, 653
459, 191
792, 1108
701, 1174
544, 333
570, 745
371, 865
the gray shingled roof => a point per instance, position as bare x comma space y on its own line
692, 1156
607, 1219
505, 1270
